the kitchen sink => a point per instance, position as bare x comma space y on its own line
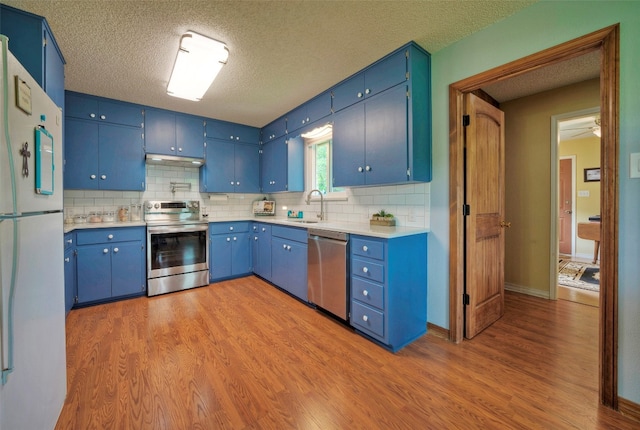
304, 221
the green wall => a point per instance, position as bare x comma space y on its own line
543, 25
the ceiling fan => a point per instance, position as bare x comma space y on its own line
586, 129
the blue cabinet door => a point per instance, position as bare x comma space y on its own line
189, 136
53, 69
231, 132
261, 243
348, 147
348, 92
127, 269
160, 132
274, 166
94, 273
241, 254
69, 279
81, 155
220, 257
217, 175
275, 129
121, 158
81, 106
92, 108
386, 73
386, 140
247, 168
289, 266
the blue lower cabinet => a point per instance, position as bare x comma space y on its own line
389, 289
289, 260
110, 264
229, 250
261, 250
70, 285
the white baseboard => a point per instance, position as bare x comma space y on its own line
526, 290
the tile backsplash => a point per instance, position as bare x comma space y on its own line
409, 203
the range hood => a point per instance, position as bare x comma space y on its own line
172, 160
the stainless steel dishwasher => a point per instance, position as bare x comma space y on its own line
328, 271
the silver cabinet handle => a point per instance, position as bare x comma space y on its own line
69, 241
66, 260
110, 237
264, 229
255, 237
237, 182
92, 115
367, 91
235, 238
173, 148
365, 270
103, 117
179, 149
231, 137
231, 182
115, 250
237, 137
288, 247
359, 95
105, 251
368, 168
365, 293
365, 248
360, 169
284, 246
228, 239
92, 176
231, 228
103, 177
365, 318
255, 228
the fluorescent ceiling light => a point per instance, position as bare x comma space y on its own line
199, 61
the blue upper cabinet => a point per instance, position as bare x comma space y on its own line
313, 110
33, 44
275, 129
91, 108
230, 168
283, 165
170, 133
231, 132
387, 138
103, 144
380, 76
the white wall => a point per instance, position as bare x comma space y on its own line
409, 203
543, 25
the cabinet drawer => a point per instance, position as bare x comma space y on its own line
368, 270
367, 292
367, 248
367, 319
228, 227
291, 233
108, 235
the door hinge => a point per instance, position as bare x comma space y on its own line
466, 210
406, 53
406, 75
75, 300
465, 299
466, 120
409, 172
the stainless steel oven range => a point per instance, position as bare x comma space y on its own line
177, 246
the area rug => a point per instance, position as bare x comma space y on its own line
579, 275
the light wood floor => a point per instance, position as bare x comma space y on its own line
243, 355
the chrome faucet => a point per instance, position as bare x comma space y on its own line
308, 200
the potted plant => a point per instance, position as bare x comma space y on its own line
382, 218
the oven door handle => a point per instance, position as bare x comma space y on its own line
177, 229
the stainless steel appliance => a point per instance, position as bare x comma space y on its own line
177, 246
33, 382
328, 271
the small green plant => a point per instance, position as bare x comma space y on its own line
383, 214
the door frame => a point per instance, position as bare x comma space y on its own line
607, 42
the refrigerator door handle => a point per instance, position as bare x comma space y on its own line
7, 316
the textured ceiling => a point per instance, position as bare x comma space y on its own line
281, 52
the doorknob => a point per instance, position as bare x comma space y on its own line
504, 224
567, 212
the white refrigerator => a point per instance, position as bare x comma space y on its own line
33, 386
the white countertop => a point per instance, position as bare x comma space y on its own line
363, 229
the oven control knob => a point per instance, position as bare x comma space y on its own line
195, 204
149, 205
157, 205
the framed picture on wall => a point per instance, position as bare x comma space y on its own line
592, 174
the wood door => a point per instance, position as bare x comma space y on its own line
484, 227
565, 204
